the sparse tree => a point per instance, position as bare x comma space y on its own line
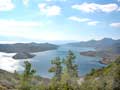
26, 78
57, 68
71, 67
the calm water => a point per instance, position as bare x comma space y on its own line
41, 62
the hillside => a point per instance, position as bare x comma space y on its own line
9, 81
107, 48
26, 47
24, 50
103, 44
107, 78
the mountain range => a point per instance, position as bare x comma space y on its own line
103, 44
107, 48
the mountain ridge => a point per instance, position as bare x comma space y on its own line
103, 44
26, 47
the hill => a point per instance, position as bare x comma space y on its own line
24, 50
107, 48
9, 81
26, 47
107, 78
104, 43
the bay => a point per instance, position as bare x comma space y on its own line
42, 61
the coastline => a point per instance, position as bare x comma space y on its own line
106, 57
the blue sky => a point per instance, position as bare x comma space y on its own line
49, 20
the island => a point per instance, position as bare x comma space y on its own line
23, 55
89, 53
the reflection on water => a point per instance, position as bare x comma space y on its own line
7, 63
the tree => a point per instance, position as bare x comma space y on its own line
72, 68
25, 83
70, 73
57, 68
65, 73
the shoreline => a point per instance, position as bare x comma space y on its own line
106, 58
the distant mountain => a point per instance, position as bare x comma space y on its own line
99, 44
26, 47
107, 48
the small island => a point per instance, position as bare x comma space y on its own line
23, 55
89, 53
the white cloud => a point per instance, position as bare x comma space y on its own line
13, 23
116, 24
17, 28
87, 20
108, 7
93, 7
85, 7
6, 5
49, 10
26, 2
93, 23
28, 30
74, 18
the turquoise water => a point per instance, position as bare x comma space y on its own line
42, 61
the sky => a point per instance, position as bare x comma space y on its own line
65, 20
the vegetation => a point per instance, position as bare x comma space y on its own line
71, 67
26, 78
57, 68
116, 84
65, 77
107, 78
